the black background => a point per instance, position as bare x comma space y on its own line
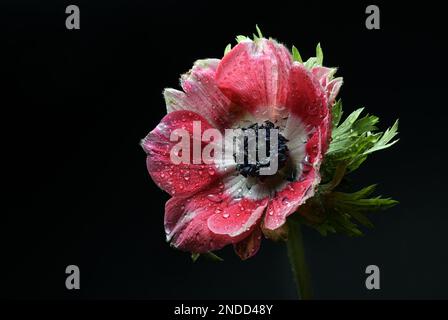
75, 104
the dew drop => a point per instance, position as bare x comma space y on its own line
214, 198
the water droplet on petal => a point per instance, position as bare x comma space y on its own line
214, 198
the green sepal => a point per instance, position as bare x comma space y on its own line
296, 55
228, 48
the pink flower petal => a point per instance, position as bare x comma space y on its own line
183, 178
333, 88
289, 199
323, 74
186, 227
202, 95
306, 99
249, 246
254, 75
237, 217
211, 219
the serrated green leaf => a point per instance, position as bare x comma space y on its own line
336, 113
384, 141
352, 141
364, 192
346, 125
361, 218
365, 124
370, 205
296, 55
343, 224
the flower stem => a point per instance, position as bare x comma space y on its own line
296, 256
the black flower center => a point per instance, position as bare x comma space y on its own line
254, 149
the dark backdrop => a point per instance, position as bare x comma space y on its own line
75, 105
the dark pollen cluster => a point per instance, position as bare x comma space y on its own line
253, 170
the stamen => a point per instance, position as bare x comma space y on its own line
249, 168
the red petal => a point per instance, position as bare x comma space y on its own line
237, 217
323, 74
202, 95
289, 199
186, 227
306, 97
255, 76
179, 179
210, 219
332, 89
249, 246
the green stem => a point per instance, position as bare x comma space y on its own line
296, 256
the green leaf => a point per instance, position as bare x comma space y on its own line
310, 63
331, 210
336, 113
296, 55
319, 55
353, 140
195, 256
260, 35
227, 49
365, 192
213, 257
384, 141
241, 38
208, 255
361, 218
338, 133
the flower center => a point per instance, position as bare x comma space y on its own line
261, 146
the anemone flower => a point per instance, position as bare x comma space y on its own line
259, 85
